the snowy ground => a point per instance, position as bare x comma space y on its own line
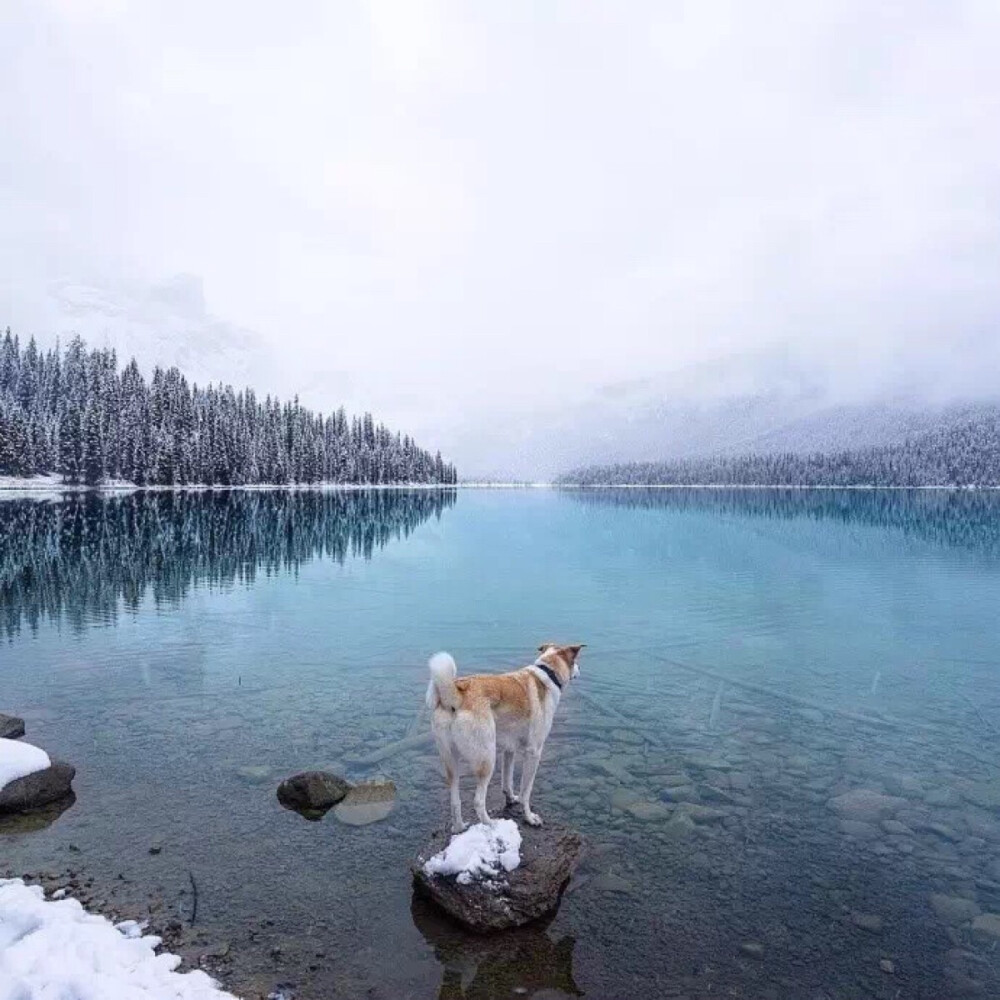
55, 950
19, 759
484, 851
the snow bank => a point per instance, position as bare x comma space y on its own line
17, 760
482, 851
59, 951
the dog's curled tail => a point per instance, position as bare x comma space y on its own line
441, 690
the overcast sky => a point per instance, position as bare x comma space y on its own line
457, 213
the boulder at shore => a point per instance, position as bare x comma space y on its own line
38, 788
312, 792
549, 854
11, 727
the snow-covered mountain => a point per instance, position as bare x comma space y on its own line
162, 324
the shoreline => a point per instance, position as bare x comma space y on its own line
48, 487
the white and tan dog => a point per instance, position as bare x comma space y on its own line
478, 716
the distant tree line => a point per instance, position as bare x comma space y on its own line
963, 454
965, 519
85, 557
73, 412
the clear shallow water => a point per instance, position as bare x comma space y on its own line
751, 657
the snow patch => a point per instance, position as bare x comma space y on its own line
57, 949
483, 851
18, 760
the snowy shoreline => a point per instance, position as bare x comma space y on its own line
55, 947
49, 485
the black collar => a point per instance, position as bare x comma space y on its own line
552, 675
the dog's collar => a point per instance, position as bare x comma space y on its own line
549, 672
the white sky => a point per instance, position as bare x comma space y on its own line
452, 213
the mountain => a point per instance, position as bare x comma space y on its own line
961, 449
744, 405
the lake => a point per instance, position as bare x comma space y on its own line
783, 749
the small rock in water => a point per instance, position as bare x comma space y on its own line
868, 922
752, 949
255, 774
312, 792
610, 882
156, 849
886, 966
649, 811
987, 925
11, 727
38, 789
865, 805
953, 910
366, 803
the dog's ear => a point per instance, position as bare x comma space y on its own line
573, 651
544, 646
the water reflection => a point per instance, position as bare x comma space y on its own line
968, 519
521, 962
77, 558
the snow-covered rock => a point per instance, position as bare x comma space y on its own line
29, 778
484, 851
18, 760
491, 878
57, 949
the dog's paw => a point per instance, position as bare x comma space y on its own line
459, 827
512, 799
532, 819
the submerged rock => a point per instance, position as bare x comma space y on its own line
312, 792
11, 727
38, 789
549, 855
865, 805
366, 803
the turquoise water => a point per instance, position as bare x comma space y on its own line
751, 658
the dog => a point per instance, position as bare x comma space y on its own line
475, 717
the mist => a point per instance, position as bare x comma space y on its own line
491, 225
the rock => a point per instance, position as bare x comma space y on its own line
649, 811
940, 830
858, 830
11, 727
896, 829
867, 922
953, 910
609, 882
988, 925
156, 849
312, 792
985, 794
886, 966
942, 798
865, 805
549, 854
680, 793
702, 814
752, 949
366, 803
38, 789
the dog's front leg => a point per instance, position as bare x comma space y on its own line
528, 769
507, 776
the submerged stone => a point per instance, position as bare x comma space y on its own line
953, 910
366, 803
865, 805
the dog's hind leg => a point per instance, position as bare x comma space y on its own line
451, 776
528, 769
484, 771
507, 776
